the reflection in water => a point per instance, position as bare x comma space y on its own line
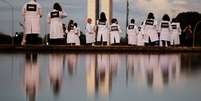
175, 68
72, 63
114, 62
31, 76
136, 68
154, 70
56, 66
99, 74
105, 74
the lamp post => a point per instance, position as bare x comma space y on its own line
12, 15
195, 31
127, 12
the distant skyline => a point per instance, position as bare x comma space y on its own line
77, 10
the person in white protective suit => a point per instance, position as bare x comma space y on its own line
176, 32
90, 32
32, 12
77, 34
140, 35
132, 31
103, 30
70, 33
115, 31
164, 29
150, 29
56, 25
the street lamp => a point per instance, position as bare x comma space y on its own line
12, 14
195, 31
127, 12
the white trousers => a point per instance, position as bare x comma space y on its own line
175, 40
104, 36
90, 38
114, 38
71, 37
140, 40
77, 40
132, 39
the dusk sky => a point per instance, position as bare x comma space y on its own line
76, 10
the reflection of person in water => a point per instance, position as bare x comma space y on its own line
140, 69
164, 64
158, 83
72, 63
114, 60
31, 76
175, 67
148, 70
131, 63
104, 79
56, 72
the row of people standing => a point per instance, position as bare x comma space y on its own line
149, 33
73, 33
32, 13
165, 33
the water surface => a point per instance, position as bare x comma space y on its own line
100, 77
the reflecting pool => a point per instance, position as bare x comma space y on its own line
100, 77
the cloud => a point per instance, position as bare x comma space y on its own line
179, 2
160, 7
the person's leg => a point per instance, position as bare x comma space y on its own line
156, 43
132, 40
105, 43
34, 39
31, 39
168, 43
104, 40
112, 39
117, 39
60, 41
51, 42
56, 42
146, 44
27, 39
99, 38
150, 43
89, 44
163, 43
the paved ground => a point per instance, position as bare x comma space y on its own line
111, 49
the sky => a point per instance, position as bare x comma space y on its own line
76, 10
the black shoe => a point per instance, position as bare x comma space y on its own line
98, 43
104, 43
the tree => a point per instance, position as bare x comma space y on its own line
190, 18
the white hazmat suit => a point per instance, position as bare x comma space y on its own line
132, 31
